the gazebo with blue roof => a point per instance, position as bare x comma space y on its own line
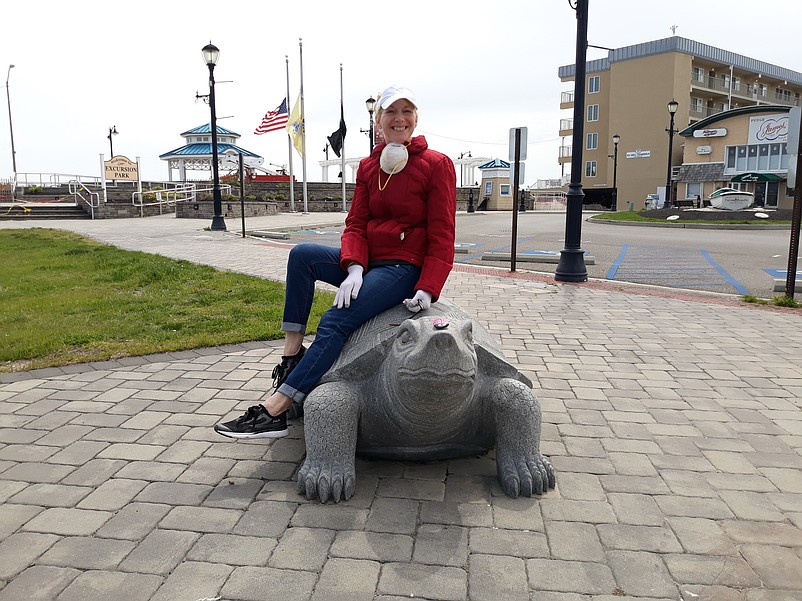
196, 154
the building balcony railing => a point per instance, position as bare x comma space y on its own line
566, 127
567, 100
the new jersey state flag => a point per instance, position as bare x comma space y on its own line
295, 127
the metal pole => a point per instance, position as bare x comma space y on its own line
289, 140
370, 130
112, 131
571, 267
242, 191
515, 183
218, 223
10, 125
670, 130
615, 176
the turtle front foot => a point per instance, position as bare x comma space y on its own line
327, 480
525, 476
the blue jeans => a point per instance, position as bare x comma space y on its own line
382, 287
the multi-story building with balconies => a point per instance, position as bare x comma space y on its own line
627, 93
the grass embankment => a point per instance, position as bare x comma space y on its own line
637, 216
67, 299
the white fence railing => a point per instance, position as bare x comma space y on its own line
82, 194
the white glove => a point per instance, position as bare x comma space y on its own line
350, 287
421, 300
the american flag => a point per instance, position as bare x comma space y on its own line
274, 120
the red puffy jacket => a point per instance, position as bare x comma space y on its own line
412, 219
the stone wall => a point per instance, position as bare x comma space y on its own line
261, 198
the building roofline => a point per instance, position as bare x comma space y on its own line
741, 110
685, 46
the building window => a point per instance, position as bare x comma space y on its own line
593, 112
590, 168
693, 189
593, 141
756, 157
699, 74
488, 188
762, 89
504, 189
594, 84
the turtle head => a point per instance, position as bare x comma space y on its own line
434, 359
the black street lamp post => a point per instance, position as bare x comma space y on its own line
210, 55
571, 267
673, 105
470, 201
10, 126
370, 104
616, 140
112, 132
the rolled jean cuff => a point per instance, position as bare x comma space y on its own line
295, 395
288, 326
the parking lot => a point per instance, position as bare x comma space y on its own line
727, 261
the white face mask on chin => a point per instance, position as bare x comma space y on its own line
393, 158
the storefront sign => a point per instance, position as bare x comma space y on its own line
121, 168
768, 128
710, 133
639, 154
704, 149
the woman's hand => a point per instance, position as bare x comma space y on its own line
350, 287
421, 300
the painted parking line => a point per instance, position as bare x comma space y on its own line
781, 273
672, 267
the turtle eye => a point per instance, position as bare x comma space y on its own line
406, 335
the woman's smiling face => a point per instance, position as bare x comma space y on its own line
398, 121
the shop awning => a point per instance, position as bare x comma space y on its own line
757, 177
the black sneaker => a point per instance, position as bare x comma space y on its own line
256, 423
283, 369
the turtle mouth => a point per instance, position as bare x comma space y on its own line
435, 375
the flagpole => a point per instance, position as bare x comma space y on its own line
303, 122
289, 139
342, 148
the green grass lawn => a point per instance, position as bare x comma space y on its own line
67, 299
636, 216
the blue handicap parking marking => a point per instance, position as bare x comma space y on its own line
780, 273
672, 267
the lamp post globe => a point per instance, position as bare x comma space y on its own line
616, 140
112, 132
370, 104
210, 56
673, 105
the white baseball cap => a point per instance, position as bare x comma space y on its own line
393, 93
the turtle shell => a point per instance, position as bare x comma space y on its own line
367, 348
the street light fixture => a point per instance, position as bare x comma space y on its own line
616, 140
210, 56
370, 104
10, 126
673, 105
112, 132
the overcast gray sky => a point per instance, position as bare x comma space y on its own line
478, 69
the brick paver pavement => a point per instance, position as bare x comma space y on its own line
673, 422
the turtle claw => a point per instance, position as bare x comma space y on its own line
326, 482
535, 476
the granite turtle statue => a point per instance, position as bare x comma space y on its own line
428, 386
